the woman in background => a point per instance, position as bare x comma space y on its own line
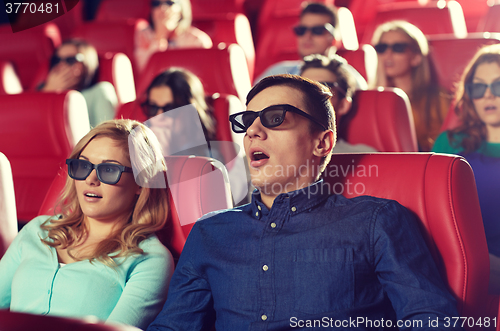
477, 138
403, 62
170, 28
74, 66
99, 256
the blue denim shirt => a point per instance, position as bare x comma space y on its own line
313, 259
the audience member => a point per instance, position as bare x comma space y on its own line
183, 122
315, 35
74, 66
99, 256
403, 62
332, 72
296, 253
170, 28
477, 138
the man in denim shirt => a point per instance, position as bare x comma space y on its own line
297, 256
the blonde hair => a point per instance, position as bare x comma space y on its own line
149, 213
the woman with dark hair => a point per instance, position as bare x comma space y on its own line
99, 256
74, 66
477, 138
170, 28
403, 62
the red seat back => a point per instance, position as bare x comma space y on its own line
381, 119
28, 49
221, 70
450, 55
119, 36
110, 10
12, 321
449, 14
197, 185
364, 60
8, 215
38, 132
9, 81
440, 190
489, 22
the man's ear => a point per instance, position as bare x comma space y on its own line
325, 143
416, 60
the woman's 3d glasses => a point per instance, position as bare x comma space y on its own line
107, 173
477, 90
270, 117
70, 60
151, 110
396, 47
156, 3
317, 30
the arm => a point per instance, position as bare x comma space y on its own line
8, 267
190, 303
405, 268
146, 288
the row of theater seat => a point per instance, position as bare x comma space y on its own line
442, 196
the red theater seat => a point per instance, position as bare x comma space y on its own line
38, 132
440, 190
28, 49
381, 119
490, 22
115, 68
221, 70
364, 60
197, 185
435, 17
8, 217
112, 36
449, 55
230, 29
11, 321
9, 81
110, 10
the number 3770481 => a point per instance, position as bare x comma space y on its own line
27, 7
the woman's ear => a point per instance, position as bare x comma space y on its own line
325, 143
139, 190
416, 60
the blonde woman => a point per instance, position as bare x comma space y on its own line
99, 256
403, 62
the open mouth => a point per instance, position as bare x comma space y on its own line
92, 195
490, 108
257, 156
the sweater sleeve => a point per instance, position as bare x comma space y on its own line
443, 145
146, 288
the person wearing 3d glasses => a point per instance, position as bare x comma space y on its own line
74, 66
477, 138
297, 252
315, 34
98, 256
169, 28
403, 62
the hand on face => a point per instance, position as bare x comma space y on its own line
63, 77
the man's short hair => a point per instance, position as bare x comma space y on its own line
316, 99
321, 9
337, 66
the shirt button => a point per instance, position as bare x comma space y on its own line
294, 209
264, 317
257, 214
273, 225
258, 207
265, 267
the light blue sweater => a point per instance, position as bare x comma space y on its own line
32, 281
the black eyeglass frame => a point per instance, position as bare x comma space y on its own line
381, 48
120, 167
70, 60
494, 88
156, 3
317, 30
336, 86
146, 107
239, 127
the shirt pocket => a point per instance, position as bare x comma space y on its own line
323, 280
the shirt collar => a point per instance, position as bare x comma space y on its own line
298, 200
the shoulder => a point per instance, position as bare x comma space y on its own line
283, 67
343, 146
153, 246
34, 224
444, 145
100, 88
194, 37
